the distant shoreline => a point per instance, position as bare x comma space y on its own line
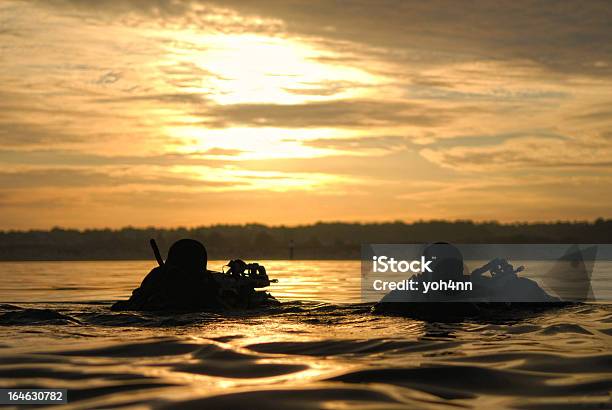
320, 241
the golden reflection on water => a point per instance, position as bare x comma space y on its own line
317, 281
304, 353
331, 281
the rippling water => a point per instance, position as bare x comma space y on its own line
319, 349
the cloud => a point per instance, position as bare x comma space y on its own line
153, 8
559, 36
331, 113
26, 133
55, 117
144, 108
176, 97
324, 88
110, 77
356, 144
525, 153
596, 114
165, 14
339, 113
222, 152
56, 158
84, 178
186, 74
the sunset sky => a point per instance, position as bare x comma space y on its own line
171, 113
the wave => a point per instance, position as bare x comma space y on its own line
346, 347
28, 317
306, 355
454, 381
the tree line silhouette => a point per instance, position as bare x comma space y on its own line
318, 241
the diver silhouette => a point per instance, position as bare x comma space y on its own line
503, 285
181, 282
446, 265
447, 262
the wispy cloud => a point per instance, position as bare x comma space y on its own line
526, 153
354, 113
238, 110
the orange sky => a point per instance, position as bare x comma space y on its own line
173, 113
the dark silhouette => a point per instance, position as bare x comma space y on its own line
318, 241
156, 252
183, 282
189, 255
291, 249
502, 288
447, 262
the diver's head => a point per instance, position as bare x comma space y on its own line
447, 261
189, 255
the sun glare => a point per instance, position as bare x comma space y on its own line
243, 143
269, 181
239, 70
249, 68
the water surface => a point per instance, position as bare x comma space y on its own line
319, 349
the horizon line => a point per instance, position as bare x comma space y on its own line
331, 222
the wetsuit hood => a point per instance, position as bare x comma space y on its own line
188, 254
